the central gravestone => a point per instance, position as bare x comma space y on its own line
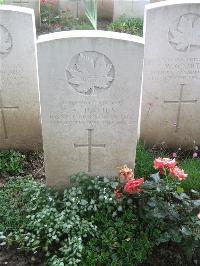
90, 100
171, 95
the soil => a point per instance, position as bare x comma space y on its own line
34, 166
11, 257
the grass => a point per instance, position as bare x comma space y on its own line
192, 167
144, 162
127, 25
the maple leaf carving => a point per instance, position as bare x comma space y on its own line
187, 32
89, 74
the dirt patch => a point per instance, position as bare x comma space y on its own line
12, 257
34, 165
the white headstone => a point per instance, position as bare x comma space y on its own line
90, 84
20, 125
34, 4
129, 8
171, 93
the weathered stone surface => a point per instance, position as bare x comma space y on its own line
34, 4
20, 125
90, 84
129, 8
171, 95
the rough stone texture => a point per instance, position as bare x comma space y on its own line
20, 125
171, 96
129, 8
34, 4
90, 84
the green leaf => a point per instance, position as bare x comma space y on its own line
179, 190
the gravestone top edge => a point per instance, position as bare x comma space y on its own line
170, 3
17, 9
90, 34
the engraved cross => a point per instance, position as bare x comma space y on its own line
90, 145
2, 110
180, 101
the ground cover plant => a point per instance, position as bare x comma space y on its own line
101, 221
127, 25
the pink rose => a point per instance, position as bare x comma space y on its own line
160, 163
178, 173
133, 186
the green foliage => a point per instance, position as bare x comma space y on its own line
192, 167
143, 163
91, 11
49, 13
11, 162
120, 241
171, 212
41, 220
1, 2
127, 25
12, 205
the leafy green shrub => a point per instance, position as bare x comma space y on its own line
11, 162
127, 25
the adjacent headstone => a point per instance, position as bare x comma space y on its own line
171, 93
34, 4
20, 125
129, 8
90, 84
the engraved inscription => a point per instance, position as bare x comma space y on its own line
90, 145
5, 41
90, 73
184, 34
91, 113
178, 69
2, 109
180, 101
